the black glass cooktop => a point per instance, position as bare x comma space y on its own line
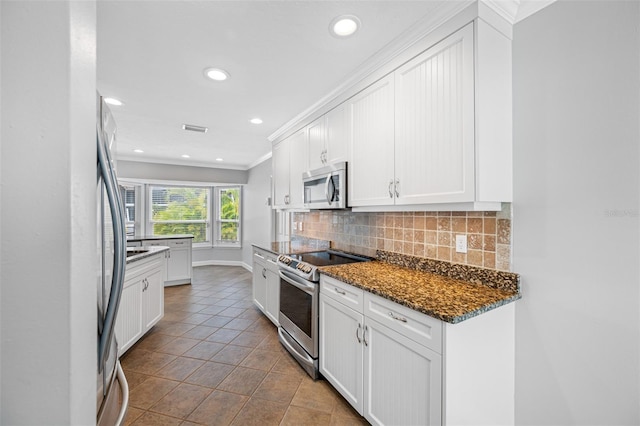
326, 258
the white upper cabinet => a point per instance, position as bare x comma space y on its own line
371, 173
434, 131
298, 164
434, 136
328, 138
446, 144
338, 129
316, 136
280, 159
289, 163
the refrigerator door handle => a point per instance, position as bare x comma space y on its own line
120, 254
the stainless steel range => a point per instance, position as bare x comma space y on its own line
299, 291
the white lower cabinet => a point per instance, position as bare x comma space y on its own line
142, 300
397, 366
179, 270
266, 284
387, 377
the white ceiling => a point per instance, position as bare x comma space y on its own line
280, 55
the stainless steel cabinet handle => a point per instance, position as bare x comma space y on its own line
397, 318
357, 333
264, 272
342, 292
364, 336
181, 242
396, 188
390, 191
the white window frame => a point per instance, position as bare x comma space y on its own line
150, 222
218, 242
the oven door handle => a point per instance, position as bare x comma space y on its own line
297, 282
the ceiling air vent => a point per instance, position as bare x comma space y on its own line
193, 128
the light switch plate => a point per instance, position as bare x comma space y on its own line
461, 243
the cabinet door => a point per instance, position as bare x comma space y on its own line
338, 128
152, 298
316, 143
298, 164
281, 174
402, 379
273, 296
371, 168
129, 319
179, 264
259, 281
434, 128
341, 350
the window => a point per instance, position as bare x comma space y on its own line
228, 216
180, 210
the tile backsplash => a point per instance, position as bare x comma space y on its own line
422, 234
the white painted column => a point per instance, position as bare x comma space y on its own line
48, 222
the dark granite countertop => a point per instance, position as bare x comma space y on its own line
158, 237
412, 282
143, 252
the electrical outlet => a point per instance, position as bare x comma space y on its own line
300, 226
461, 243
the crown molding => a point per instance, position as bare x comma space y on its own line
529, 7
182, 163
260, 160
507, 9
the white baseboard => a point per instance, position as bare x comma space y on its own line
223, 263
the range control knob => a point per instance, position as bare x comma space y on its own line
284, 259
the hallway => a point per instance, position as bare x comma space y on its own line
215, 359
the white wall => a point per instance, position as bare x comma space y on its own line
576, 79
256, 213
48, 223
172, 172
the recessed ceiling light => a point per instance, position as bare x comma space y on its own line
185, 156
113, 101
216, 74
256, 121
344, 26
139, 151
219, 159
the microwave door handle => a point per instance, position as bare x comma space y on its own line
326, 189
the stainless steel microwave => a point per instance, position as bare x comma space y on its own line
326, 188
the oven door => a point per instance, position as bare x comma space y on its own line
299, 310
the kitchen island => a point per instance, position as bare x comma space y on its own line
179, 270
142, 300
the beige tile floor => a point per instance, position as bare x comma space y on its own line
214, 359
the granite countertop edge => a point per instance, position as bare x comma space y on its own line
158, 237
451, 319
152, 251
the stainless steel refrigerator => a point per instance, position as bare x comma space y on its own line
112, 388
